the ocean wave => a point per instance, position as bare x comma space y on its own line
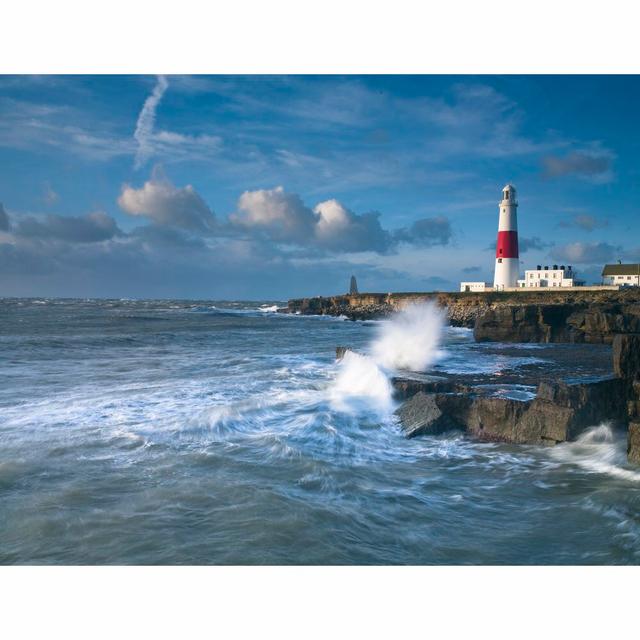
599, 449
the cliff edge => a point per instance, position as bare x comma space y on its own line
540, 315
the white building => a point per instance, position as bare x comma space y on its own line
554, 276
625, 275
476, 287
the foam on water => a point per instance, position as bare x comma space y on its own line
411, 339
360, 384
599, 450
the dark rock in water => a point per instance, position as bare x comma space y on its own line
562, 411
626, 356
591, 402
496, 419
633, 443
406, 387
558, 413
340, 351
422, 415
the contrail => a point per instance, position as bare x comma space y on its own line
144, 126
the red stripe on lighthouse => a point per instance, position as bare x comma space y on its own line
507, 245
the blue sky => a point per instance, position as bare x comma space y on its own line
279, 186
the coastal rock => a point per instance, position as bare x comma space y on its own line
422, 415
340, 351
543, 315
633, 443
593, 323
626, 356
558, 413
405, 388
591, 402
496, 419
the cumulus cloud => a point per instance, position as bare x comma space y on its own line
285, 218
594, 165
339, 229
93, 227
280, 215
272, 238
146, 120
586, 253
585, 222
165, 204
4, 219
329, 226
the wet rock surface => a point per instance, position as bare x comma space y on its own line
558, 413
428, 414
633, 443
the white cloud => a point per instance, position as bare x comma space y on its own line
170, 145
329, 226
281, 215
161, 202
146, 121
284, 217
338, 228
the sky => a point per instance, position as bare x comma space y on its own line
271, 187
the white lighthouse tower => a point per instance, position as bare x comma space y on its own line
507, 259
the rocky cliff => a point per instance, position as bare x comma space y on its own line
541, 315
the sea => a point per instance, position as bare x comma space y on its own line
167, 432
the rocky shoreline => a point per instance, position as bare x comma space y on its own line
532, 316
559, 412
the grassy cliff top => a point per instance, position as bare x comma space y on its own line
628, 295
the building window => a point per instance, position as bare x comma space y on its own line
499, 259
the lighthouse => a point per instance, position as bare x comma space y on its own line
507, 260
